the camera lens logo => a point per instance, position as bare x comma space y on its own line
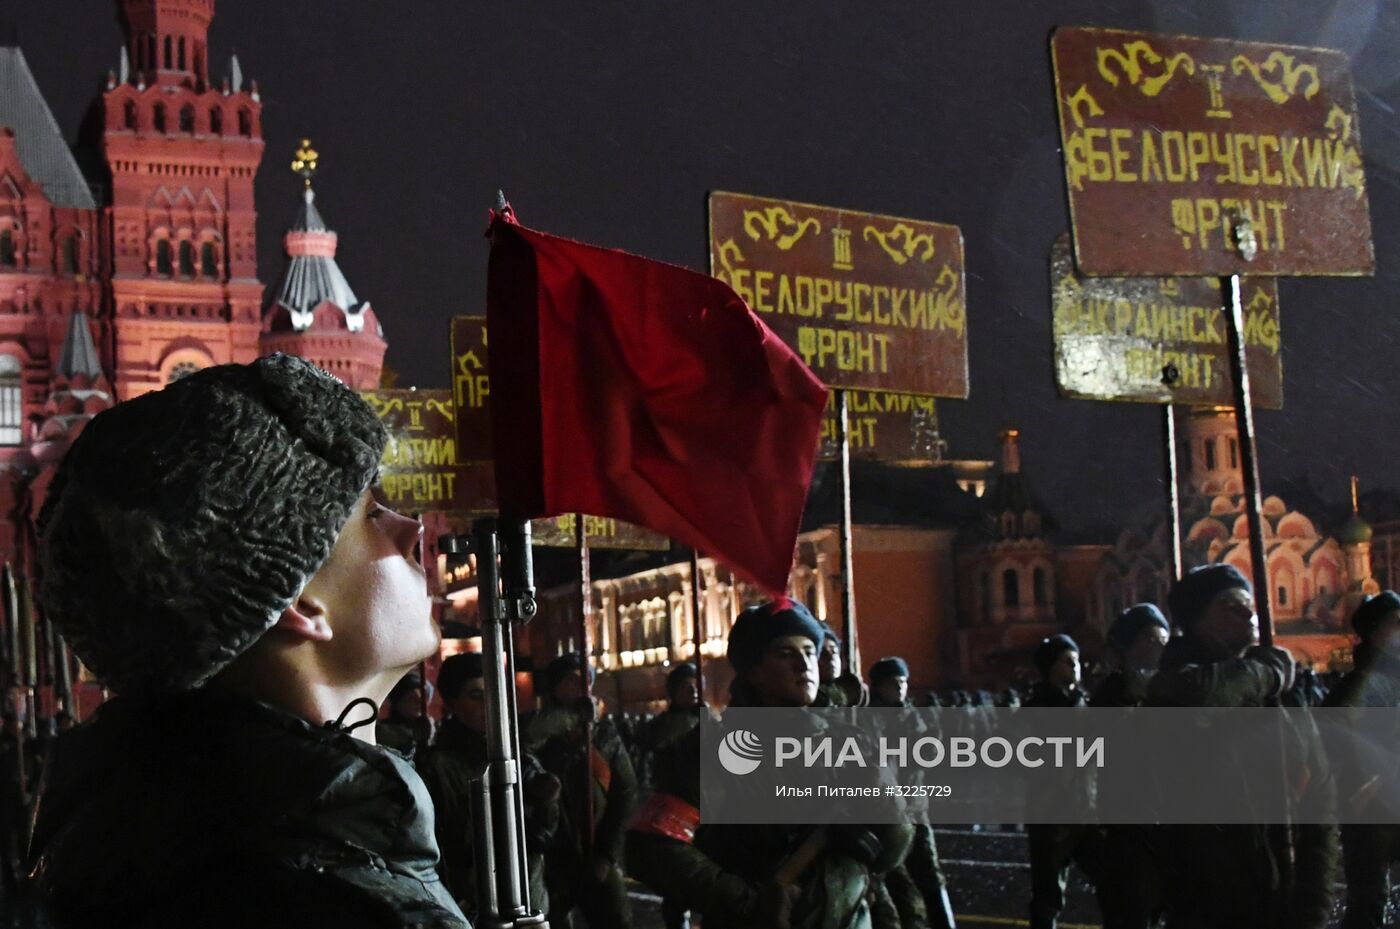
740, 752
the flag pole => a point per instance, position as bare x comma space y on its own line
1173, 491
848, 588
697, 623
1244, 425
585, 585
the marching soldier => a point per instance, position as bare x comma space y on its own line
1238, 876
1129, 886
1053, 847
582, 863
1135, 643
760, 875
456, 759
681, 717
1369, 850
916, 885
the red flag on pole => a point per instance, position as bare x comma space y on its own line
628, 388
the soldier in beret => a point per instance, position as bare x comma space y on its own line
729, 873
215, 553
1241, 876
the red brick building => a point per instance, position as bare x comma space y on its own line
117, 284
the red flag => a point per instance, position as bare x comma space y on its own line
641, 391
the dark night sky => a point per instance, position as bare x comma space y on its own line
611, 122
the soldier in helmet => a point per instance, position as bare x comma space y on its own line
729, 873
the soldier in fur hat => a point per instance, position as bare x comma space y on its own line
215, 553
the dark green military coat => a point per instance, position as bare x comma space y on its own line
457, 758
1242, 876
720, 870
218, 811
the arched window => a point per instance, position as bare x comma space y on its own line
216, 121
198, 59
1010, 588
11, 402
245, 123
182, 53
70, 254
1234, 453
183, 369
163, 259
187, 118
7, 248
186, 258
169, 53
1210, 454
129, 114
151, 60
1038, 587
158, 117
208, 260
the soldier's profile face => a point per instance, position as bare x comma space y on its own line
1230, 619
374, 594
1145, 654
892, 689
470, 705
570, 687
786, 675
1387, 634
829, 663
685, 694
1065, 671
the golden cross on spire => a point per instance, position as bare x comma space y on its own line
1355, 503
304, 163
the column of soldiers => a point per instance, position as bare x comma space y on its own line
587, 820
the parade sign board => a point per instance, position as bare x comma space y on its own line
1170, 141
1159, 340
600, 531
900, 428
420, 470
869, 302
471, 390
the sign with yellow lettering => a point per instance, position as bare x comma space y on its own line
470, 394
1170, 142
420, 470
897, 428
600, 531
470, 388
1159, 340
869, 302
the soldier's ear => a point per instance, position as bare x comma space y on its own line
306, 619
